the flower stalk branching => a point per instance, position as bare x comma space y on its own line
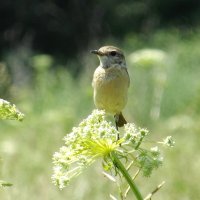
95, 138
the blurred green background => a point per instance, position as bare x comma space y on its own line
46, 70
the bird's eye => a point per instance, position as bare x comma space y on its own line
113, 53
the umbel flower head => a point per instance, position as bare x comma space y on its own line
96, 138
148, 57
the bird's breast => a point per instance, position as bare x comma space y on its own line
110, 89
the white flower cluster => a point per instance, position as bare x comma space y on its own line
9, 111
133, 135
145, 159
94, 137
168, 141
148, 57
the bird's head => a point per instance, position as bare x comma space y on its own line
110, 56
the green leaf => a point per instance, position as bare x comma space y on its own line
5, 184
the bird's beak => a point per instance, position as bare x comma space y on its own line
97, 52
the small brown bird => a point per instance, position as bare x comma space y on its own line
111, 82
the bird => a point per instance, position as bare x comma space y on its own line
111, 82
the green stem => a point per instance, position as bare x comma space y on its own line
126, 175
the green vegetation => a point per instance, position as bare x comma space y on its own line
9, 112
54, 101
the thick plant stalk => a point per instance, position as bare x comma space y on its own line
126, 175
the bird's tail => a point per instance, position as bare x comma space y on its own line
120, 120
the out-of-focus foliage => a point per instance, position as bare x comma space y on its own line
54, 101
66, 27
4, 79
5, 184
